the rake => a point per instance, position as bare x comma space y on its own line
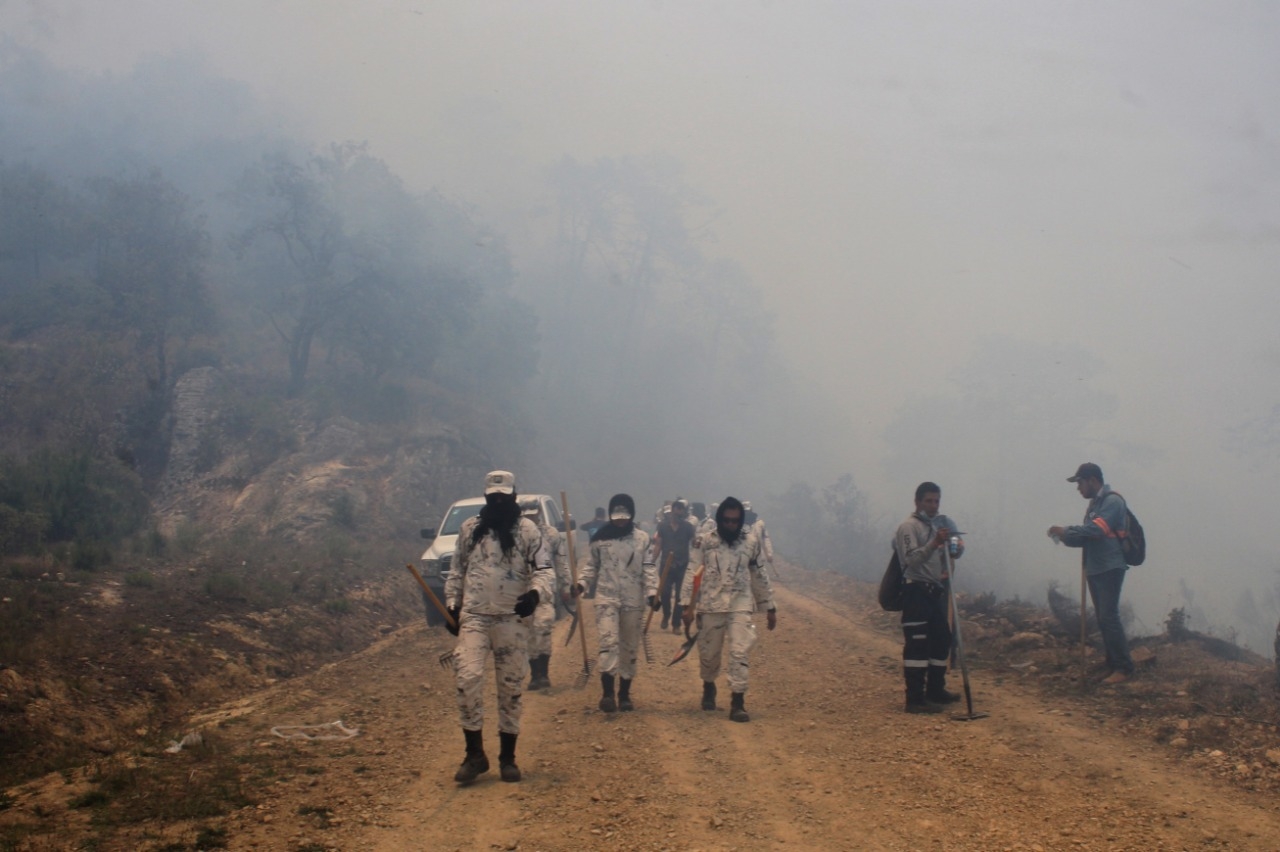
587, 662
446, 659
662, 584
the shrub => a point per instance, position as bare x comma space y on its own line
89, 555
337, 606
225, 587
140, 580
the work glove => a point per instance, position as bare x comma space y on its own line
577, 590
655, 603
456, 613
772, 618
527, 603
687, 616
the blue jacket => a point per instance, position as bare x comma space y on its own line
1104, 518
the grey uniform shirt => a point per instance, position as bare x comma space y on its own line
921, 561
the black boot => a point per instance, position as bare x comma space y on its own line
935, 689
624, 695
475, 762
916, 702
607, 704
737, 710
708, 695
507, 757
677, 618
538, 667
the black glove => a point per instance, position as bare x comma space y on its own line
655, 603
527, 603
456, 612
575, 591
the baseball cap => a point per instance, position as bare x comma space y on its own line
1085, 471
500, 482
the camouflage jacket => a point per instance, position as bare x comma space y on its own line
622, 570
734, 576
558, 553
488, 581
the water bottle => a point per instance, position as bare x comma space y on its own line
953, 546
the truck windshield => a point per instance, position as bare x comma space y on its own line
457, 515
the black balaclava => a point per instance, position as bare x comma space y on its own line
610, 530
727, 535
499, 515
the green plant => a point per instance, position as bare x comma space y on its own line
187, 538
344, 511
337, 606
140, 580
89, 799
225, 587
89, 555
210, 837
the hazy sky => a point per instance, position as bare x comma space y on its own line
902, 180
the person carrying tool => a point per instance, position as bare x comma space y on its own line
1104, 564
734, 583
501, 570
921, 542
544, 617
674, 537
621, 570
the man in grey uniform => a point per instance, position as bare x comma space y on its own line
501, 569
921, 542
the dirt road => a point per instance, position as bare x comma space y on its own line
828, 760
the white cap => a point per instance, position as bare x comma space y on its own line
619, 513
500, 482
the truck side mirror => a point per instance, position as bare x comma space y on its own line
428, 534
573, 525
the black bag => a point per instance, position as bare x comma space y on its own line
893, 585
1133, 542
1133, 539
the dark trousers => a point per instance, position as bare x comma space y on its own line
1105, 588
926, 636
671, 589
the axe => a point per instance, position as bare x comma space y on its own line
689, 641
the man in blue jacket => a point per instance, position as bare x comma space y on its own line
1104, 564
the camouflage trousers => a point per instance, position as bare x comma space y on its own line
741, 633
504, 636
619, 631
544, 618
